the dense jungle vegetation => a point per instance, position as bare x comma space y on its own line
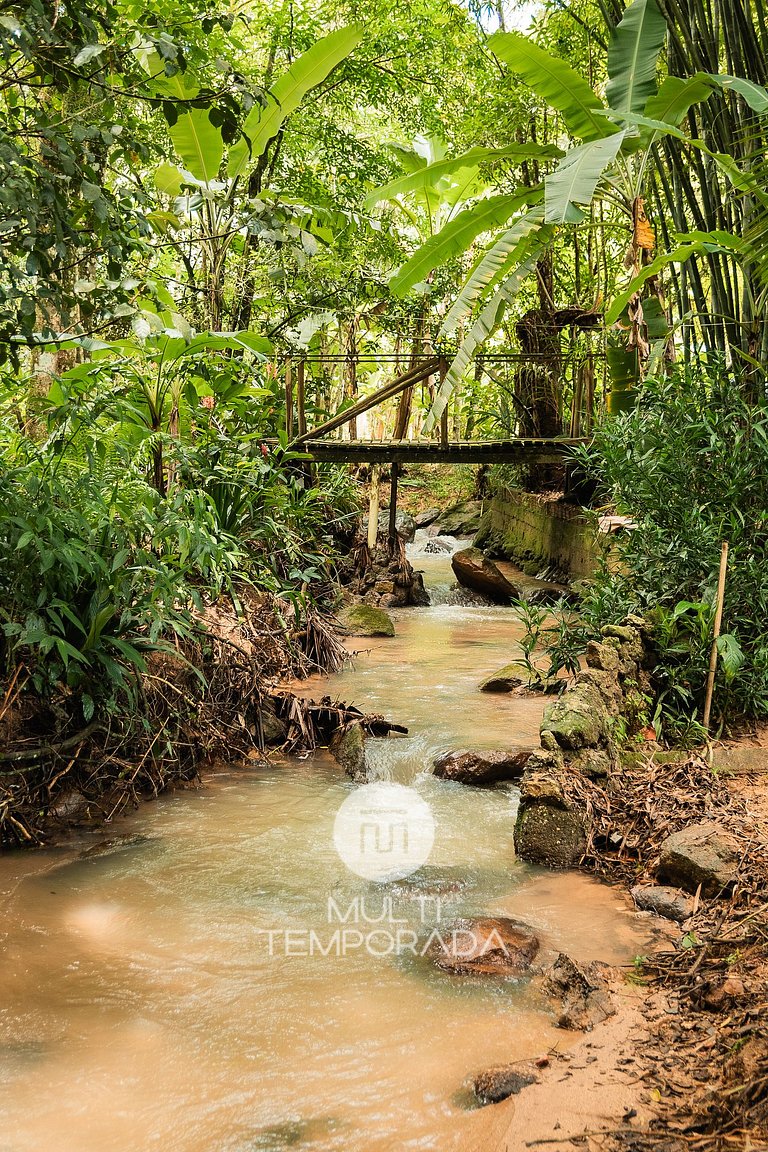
567, 200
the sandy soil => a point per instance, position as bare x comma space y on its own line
594, 1088
603, 1086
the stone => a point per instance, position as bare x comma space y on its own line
366, 620
347, 747
580, 993
501, 1081
723, 995
483, 946
427, 517
664, 901
68, 806
508, 678
700, 854
461, 519
595, 763
603, 656
482, 768
578, 719
405, 526
474, 570
273, 729
546, 834
118, 844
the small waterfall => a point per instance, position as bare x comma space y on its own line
431, 555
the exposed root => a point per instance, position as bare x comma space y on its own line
201, 701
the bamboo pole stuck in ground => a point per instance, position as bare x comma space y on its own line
716, 634
373, 510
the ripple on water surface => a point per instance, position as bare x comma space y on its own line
141, 1007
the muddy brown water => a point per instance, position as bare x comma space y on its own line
140, 1007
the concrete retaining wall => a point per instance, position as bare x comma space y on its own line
538, 533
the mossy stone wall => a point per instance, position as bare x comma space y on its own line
537, 533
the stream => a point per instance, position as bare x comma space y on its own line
151, 997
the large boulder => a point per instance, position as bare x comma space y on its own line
483, 946
427, 517
548, 835
579, 992
482, 768
701, 854
366, 620
579, 719
549, 829
347, 747
474, 570
664, 901
503, 1080
461, 519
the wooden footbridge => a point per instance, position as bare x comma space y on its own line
314, 445
516, 451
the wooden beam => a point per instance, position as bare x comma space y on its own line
394, 474
288, 401
300, 398
444, 418
386, 393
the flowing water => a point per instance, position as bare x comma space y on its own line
150, 997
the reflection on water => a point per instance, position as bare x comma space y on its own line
140, 1007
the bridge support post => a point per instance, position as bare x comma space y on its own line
394, 474
373, 510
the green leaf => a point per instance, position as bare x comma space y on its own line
692, 244
426, 176
478, 333
576, 177
507, 250
731, 655
88, 53
285, 96
168, 179
554, 81
198, 143
755, 96
675, 98
454, 239
632, 55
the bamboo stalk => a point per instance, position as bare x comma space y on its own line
716, 633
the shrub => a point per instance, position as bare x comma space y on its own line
689, 465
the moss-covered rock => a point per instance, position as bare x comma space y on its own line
366, 620
506, 679
348, 748
461, 519
548, 835
579, 719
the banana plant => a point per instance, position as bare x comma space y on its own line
216, 181
613, 142
162, 365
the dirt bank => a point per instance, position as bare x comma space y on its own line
684, 1063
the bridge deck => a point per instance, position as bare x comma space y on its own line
433, 452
